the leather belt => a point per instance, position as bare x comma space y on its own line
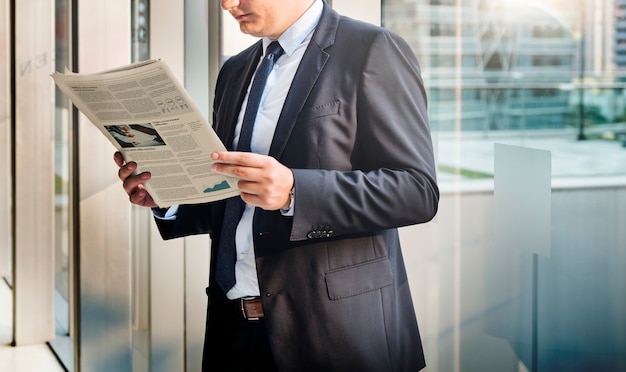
250, 307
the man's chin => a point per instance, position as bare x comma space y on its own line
249, 31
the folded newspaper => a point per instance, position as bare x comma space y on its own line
150, 118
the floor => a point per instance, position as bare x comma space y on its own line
32, 358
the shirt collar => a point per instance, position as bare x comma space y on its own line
299, 30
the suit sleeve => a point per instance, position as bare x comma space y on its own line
392, 182
190, 219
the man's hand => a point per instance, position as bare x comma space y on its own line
263, 181
133, 185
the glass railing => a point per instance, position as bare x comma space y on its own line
582, 125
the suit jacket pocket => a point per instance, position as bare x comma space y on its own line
359, 279
331, 108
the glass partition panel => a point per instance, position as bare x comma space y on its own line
62, 344
548, 75
62, 181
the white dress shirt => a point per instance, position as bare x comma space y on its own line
294, 42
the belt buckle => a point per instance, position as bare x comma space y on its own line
242, 301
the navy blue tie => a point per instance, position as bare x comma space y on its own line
226, 251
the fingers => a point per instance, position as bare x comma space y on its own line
118, 158
125, 173
133, 184
129, 180
245, 166
141, 197
126, 169
242, 165
263, 181
137, 194
249, 159
130, 183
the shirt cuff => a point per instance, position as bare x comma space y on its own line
167, 214
289, 211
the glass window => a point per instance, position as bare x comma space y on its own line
552, 63
61, 166
63, 247
550, 76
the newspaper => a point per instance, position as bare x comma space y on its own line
150, 118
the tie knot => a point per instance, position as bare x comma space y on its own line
274, 50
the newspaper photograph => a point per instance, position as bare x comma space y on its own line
147, 114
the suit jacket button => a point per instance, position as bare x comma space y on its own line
316, 234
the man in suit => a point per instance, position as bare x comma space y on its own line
341, 156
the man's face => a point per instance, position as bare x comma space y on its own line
265, 18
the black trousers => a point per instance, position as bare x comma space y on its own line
233, 343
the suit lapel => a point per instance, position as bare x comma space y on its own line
310, 68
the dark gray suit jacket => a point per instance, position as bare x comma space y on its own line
354, 130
